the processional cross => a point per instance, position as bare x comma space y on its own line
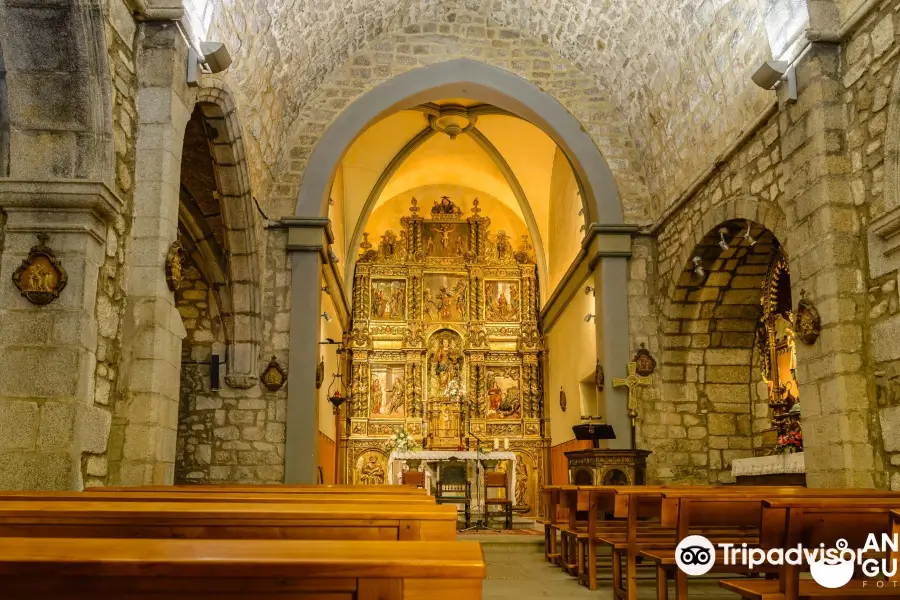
632, 381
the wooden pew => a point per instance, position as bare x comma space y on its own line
139, 496
629, 535
102, 569
227, 520
265, 489
722, 514
813, 521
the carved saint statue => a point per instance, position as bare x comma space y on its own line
521, 482
372, 473
445, 207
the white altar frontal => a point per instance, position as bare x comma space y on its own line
427, 461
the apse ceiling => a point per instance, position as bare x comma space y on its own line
674, 74
504, 161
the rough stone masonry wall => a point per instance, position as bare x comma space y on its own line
870, 64
693, 431
224, 435
120, 34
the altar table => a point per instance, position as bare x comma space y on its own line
398, 459
778, 469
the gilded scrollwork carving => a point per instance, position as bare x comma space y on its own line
415, 335
477, 336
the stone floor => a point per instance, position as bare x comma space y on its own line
517, 571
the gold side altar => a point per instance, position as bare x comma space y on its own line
445, 345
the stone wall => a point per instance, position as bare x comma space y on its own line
869, 85
425, 43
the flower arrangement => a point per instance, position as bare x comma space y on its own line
790, 442
402, 442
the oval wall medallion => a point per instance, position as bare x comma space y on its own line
40, 277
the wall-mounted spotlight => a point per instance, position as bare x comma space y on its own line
771, 72
588, 290
326, 290
326, 316
698, 268
588, 317
749, 237
581, 212
215, 59
582, 228
722, 243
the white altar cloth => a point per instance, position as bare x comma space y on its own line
427, 456
777, 464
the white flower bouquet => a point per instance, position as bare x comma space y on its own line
402, 442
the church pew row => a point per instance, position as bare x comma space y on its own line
227, 520
103, 569
181, 496
814, 521
631, 533
266, 489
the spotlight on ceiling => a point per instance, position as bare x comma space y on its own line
698, 268
581, 212
588, 290
583, 227
722, 243
771, 72
215, 59
588, 317
326, 316
749, 237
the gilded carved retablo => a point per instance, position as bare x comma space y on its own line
40, 277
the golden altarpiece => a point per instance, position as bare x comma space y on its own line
777, 356
445, 345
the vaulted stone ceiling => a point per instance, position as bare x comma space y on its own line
675, 74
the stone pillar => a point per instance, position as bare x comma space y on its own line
613, 249
48, 418
827, 261
146, 420
308, 241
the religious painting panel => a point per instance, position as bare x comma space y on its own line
502, 301
446, 240
388, 299
504, 392
388, 391
445, 297
371, 468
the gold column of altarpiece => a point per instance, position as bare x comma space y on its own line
445, 344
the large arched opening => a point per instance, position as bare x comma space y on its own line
595, 198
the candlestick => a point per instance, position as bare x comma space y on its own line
506, 443
496, 443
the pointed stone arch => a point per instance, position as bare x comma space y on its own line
241, 310
463, 78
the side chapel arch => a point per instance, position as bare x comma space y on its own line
241, 310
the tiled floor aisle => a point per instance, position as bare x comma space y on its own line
518, 572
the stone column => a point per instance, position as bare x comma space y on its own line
146, 421
612, 244
827, 261
48, 417
308, 241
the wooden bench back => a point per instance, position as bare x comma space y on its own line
139, 496
99, 569
266, 489
219, 520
